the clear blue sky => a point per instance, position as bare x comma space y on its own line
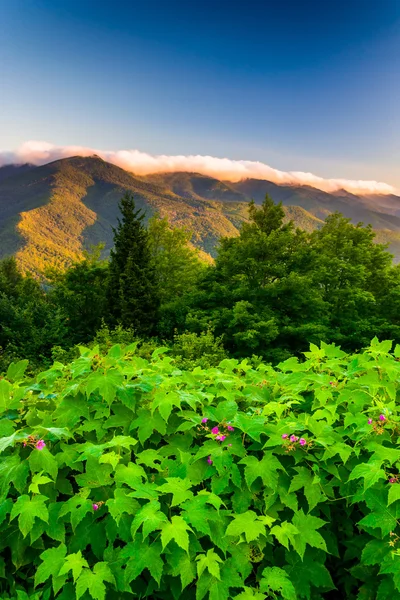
301, 85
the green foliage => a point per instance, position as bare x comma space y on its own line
176, 266
274, 289
131, 288
79, 292
135, 493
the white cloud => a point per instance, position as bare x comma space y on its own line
140, 163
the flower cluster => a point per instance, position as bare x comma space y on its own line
33, 442
292, 441
378, 425
220, 433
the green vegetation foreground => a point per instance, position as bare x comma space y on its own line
122, 477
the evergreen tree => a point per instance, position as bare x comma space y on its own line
131, 290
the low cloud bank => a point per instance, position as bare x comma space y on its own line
140, 163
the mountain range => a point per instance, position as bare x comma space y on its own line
51, 213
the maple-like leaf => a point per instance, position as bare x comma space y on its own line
209, 561
275, 579
37, 480
140, 556
93, 581
249, 524
179, 488
307, 526
182, 566
267, 468
122, 503
146, 423
75, 563
107, 383
52, 561
78, 506
150, 516
176, 530
285, 533
371, 473
27, 509
42, 461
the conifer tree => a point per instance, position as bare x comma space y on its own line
131, 290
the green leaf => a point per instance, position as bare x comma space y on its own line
96, 475
52, 561
151, 517
267, 469
276, 580
209, 561
307, 526
93, 582
27, 509
179, 488
374, 552
382, 517
5, 395
312, 490
16, 371
176, 530
142, 556
164, 401
121, 504
75, 563
371, 473
147, 423
250, 594
107, 383
130, 474
182, 566
394, 493
42, 461
285, 533
78, 506
249, 524
37, 480
308, 572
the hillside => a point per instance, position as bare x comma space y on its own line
49, 214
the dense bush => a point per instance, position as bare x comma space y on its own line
122, 477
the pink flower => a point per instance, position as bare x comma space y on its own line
95, 506
284, 436
293, 438
392, 480
204, 420
230, 428
218, 437
40, 445
382, 418
229, 444
24, 444
209, 460
302, 442
331, 383
222, 437
369, 421
215, 430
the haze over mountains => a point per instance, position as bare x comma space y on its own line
51, 213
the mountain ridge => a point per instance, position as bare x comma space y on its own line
51, 213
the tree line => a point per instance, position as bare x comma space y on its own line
271, 291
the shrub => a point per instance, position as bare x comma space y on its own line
122, 477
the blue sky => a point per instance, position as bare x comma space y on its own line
300, 85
